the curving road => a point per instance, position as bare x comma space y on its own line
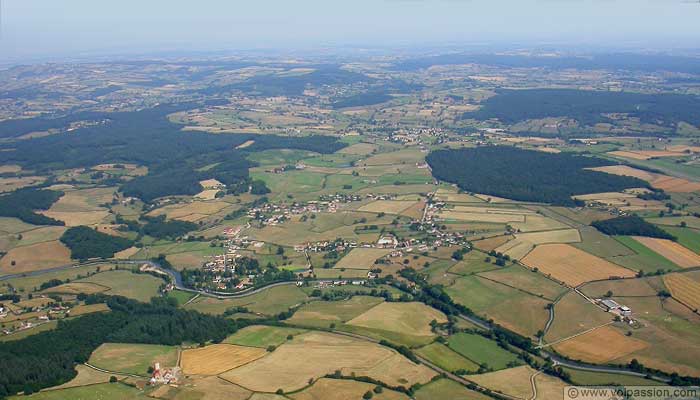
177, 279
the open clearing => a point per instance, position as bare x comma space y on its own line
512, 381
447, 389
340, 389
512, 308
133, 358
361, 258
572, 266
684, 289
492, 243
86, 376
659, 181
527, 280
672, 251
573, 314
525, 242
316, 354
262, 336
481, 350
600, 345
217, 358
322, 313
35, 257
409, 318
109, 391
125, 283
269, 302
388, 206
446, 358
76, 288
192, 211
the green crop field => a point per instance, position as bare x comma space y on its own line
262, 336
133, 358
125, 283
481, 350
447, 389
111, 391
446, 358
688, 237
182, 297
269, 302
645, 259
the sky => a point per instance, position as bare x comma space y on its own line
77, 28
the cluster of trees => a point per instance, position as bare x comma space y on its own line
49, 358
85, 243
158, 227
22, 202
631, 225
526, 175
588, 107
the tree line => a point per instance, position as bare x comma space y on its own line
526, 175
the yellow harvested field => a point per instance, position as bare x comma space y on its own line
512, 381
492, 210
538, 222
525, 242
13, 183
549, 387
659, 181
572, 266
245, 144
679, 255
646, 154
361, 258
316, 354
88, 309
600, 345
388, 206
218, 358
86, 376
481, 217
492, 243
629, 154
210, 183
684, 289
126, 253
77, 218
409, 318
9, 168
35, 257
340, 389
208, 194
182, 211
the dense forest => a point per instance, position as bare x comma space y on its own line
588, 106
148, 138
631, 225
362, 99
22, 203
85, 242
49, 358
526, 175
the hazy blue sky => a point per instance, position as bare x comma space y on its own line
32, 28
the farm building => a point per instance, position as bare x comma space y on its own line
613, 306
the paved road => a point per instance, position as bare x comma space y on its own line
177, 279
